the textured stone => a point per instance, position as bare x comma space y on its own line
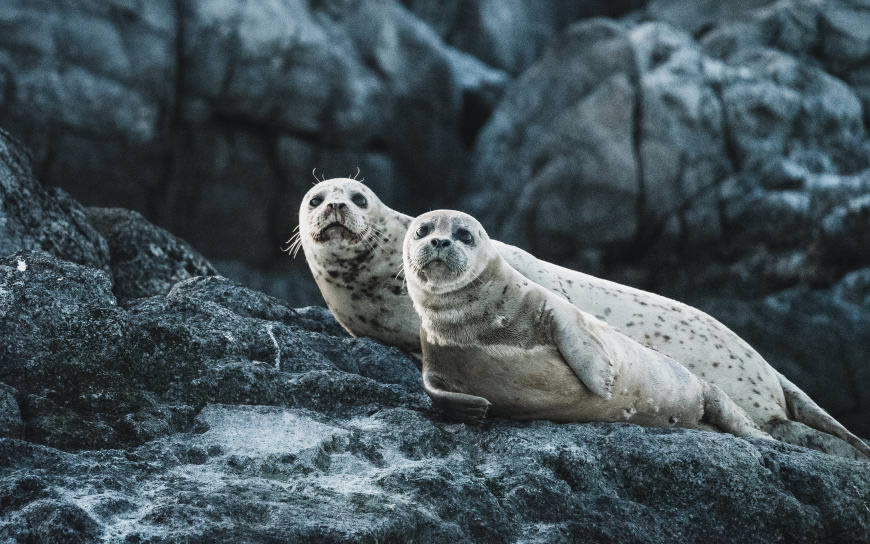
145, 260
32, 217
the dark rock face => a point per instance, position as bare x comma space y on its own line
198, 112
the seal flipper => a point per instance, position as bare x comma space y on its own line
461, 406
803, 409
583, 350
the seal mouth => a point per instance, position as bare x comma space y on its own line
434, 260
334, 224
334, 230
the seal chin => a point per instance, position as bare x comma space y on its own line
335, 231
438, 271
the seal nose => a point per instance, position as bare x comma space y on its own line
438, 243
340, 206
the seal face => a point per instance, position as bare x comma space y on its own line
352, 244
494, 341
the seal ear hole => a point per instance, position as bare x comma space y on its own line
423, 230
359, 200
464, 236
315, 202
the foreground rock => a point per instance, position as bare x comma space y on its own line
218, 414
277, 474
145, 260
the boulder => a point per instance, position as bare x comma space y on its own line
145, 260
285, 474
640, 123
32, 217
215, 413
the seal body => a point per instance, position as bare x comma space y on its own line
488, 333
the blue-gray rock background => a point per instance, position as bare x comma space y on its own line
716, 152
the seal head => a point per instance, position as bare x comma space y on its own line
341, 213
446, 250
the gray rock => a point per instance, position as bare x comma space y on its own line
195, 113
258, 473
10, 416
215, 413
816, 339
32, 217
509, 34
641, 123
145, 260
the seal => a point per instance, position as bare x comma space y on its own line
355, 273
353, 245
493, 341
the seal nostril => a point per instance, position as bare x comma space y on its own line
439, 242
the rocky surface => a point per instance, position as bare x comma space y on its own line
215, 413
145, 260
135, 409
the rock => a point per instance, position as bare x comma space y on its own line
216, 413
844, 236
10, 415
93, 374
698, 18
195, 113
254, 473
32, 217
88, 87
642, 124
567, 118
800, 331
145, 260
509, 34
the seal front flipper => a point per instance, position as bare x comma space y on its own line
583, 349
469, 408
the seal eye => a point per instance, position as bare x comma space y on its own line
359, 200
422, 231
315, 202
464, 236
